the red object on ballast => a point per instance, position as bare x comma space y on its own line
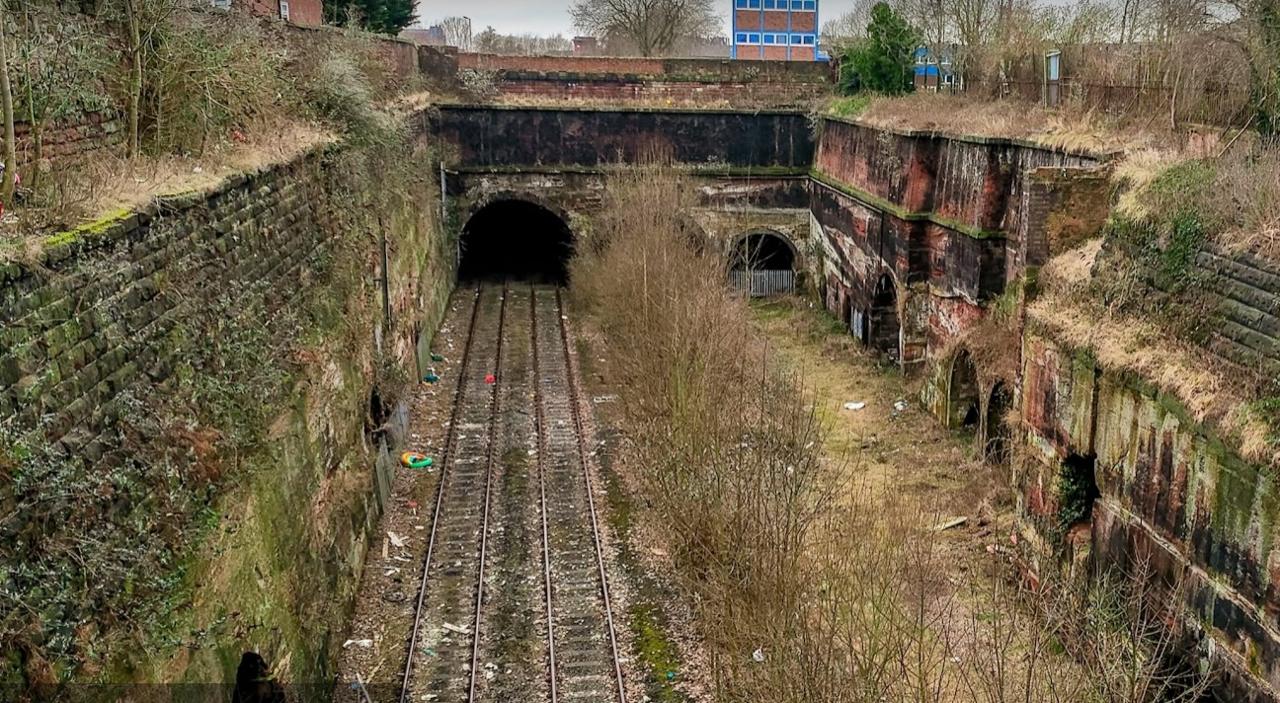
491, 379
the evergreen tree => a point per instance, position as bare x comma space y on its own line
398, 15
883, 61
382, 16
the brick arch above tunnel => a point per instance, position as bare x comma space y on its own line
489, 197
515, 235
740, 250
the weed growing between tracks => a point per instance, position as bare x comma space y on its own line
804, 588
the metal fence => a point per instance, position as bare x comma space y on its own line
761, 284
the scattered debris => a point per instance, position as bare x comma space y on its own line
758, 656
431, 377
900, 405
951, 524
490, 379
456, 630
364, 644
416, 460
437, 357
854, 406
397, 540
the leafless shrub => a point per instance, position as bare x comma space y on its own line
480, 85
207, 75
807, 588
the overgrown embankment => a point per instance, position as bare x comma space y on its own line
192, 399
212, 93
808, 586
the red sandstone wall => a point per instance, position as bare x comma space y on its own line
975, 182
304, 13
308, 13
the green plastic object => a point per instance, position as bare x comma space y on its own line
414, 460
437, 358
431, 378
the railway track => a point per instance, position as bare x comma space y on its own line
453, 645
583, 660
440, 663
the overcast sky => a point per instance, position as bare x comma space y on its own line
551, 16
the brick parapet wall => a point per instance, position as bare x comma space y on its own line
624, 90
696, 70
1060, 208
760, 83
79, 137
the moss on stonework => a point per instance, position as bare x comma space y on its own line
89, 229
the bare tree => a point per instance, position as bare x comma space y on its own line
849, 27
457, 32
654, 27
6, 103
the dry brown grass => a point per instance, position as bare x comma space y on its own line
108, 184
1149, 143
806, 587
1213, 395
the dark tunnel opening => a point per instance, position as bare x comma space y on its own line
763, 251
516, 239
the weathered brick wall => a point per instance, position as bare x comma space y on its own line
210, 357
508, 137
624, 89
949, 221
701, 70
764, 83
1247, 329
79, 137
304, 13
970, 182
1174, 497
1061, 208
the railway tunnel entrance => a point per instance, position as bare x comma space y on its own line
515, 239
763, 264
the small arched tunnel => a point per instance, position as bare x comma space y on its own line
963, 406
514, 238
763, 263
998, 443
883, 328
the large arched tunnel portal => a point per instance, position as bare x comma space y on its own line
514, 238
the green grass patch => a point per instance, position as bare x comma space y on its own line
851, 106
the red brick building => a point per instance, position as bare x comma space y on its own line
307, 13
775, 30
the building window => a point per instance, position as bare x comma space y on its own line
740, 39
753, 4
810, 4
796, 39
753, 38
768, 39
740, 4
809, 40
